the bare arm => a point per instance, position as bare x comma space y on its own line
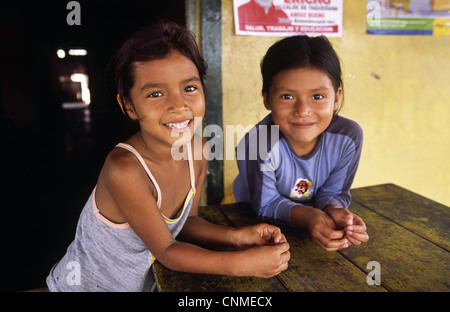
128, 185
200, 231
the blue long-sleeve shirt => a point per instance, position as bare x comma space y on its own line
274, 179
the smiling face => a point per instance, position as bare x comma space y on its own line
166, 96
302, 102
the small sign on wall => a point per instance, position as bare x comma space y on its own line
288, 17
408, 17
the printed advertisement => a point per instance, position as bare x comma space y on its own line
408, 17
288, 17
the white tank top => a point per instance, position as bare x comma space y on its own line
107, 256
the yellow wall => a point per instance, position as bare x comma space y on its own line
405, 113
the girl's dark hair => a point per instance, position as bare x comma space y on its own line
298, 52
150, 43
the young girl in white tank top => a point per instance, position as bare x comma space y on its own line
144, 197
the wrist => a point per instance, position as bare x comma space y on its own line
300, 215
234, 235
331, 208
237, 263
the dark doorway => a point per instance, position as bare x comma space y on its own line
52, 153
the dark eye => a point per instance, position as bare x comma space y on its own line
317, 96
190, 89
287, 97
155, 94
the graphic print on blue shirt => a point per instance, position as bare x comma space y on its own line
302, 188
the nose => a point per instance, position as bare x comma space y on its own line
302, 108
177, 102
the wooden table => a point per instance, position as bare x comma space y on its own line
409, 239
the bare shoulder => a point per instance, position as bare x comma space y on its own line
120, 180
121, 168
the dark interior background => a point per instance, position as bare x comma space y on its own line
50, 156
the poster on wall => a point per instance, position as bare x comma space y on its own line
408, 17
288, 17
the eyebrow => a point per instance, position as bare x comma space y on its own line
320, 89
151, 85
283, 89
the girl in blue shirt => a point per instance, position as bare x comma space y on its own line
313, 162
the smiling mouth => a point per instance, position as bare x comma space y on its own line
178, 126
302, 125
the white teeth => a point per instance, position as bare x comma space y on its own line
179, 125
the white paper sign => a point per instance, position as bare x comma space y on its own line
288, 17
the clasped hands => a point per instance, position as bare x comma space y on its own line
332, 229
335, 228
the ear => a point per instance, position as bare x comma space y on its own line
337, 100
266, 101
126, 107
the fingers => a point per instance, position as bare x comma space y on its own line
283, 251
346, 218
358, 239
277, 237
331, 244
283, 247
329, 239
329, 233
273, 259
358, 224
352, 230
355, 229
272, 233
356, 233
324, 233
341, 216
285, 256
